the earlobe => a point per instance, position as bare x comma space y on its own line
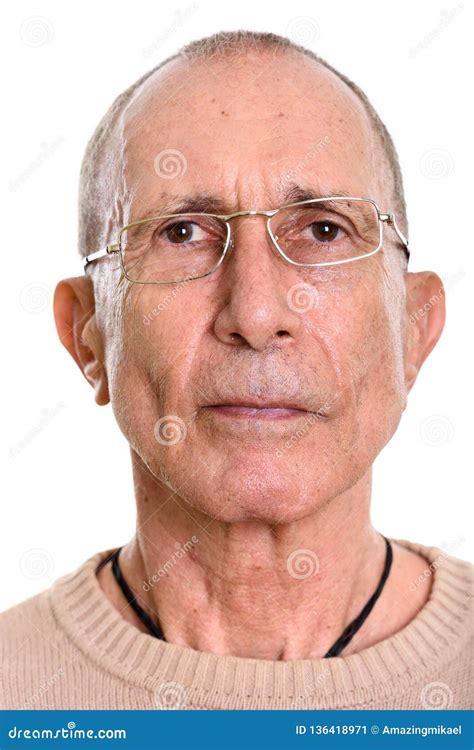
425, 316
74, 313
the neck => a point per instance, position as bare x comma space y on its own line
251, 588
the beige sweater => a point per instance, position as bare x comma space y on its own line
69, 648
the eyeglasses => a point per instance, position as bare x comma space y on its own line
312, 234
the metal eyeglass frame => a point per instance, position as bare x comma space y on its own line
383, 218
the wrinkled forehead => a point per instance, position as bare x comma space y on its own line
245, 128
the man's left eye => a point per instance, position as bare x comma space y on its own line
325, 231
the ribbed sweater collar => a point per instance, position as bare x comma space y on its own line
210, 681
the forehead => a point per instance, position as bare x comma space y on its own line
245, 126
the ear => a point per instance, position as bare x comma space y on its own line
74, 313
425, 318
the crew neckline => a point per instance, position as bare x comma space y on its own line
211, 681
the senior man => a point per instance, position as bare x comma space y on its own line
247, 310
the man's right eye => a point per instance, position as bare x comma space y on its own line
183, 231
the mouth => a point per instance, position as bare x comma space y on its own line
252, 411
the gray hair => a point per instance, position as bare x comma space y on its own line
93, 176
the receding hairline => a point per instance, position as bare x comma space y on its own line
92, 224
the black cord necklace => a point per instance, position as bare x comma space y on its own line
335, 650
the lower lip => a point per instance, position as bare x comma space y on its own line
246, 412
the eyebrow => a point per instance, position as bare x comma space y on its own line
295, 193
211, 203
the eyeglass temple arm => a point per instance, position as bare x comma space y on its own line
100, 254
390, 219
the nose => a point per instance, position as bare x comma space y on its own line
254, 286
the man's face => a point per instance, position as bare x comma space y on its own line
251, 332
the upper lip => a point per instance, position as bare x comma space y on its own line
258, 404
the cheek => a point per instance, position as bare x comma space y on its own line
152, 356
377, 369
156, 325
134, 360
357, 318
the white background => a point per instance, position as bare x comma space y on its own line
67, 483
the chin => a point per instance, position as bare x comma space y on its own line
258, 488
229, 507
